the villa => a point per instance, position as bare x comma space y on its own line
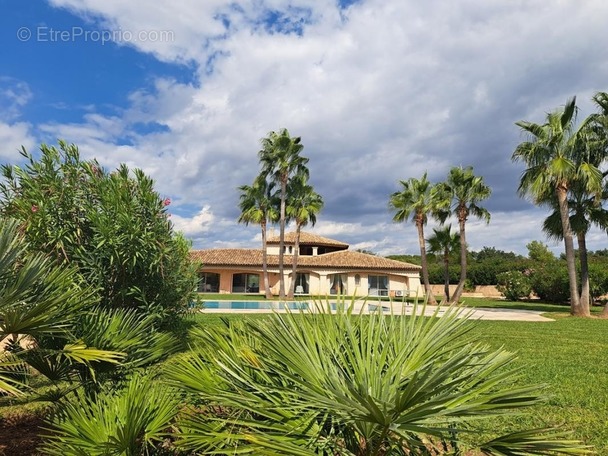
325, 267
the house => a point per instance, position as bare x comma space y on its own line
325, 267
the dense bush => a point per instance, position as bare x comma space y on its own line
550, 281
514, 285
113, 226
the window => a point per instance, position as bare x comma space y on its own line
302, 284
337, 284
357, 280
245, 283
377, 285
209, 283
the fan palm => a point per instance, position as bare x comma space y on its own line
462, 192
258, 205
39, 307
554, 162
128, 421
416, 199
303, 205
443, 242
323, 383
280, 159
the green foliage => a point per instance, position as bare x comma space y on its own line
550, 281
324, 383
39, 307
127, 422
514, 285
598, 278
112, 226
539, 252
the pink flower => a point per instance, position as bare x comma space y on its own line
166, 202
34, 208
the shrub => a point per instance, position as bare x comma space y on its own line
323, 383
129, 422
112, 226
514, 285
550, 281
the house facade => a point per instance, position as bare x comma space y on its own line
325, 267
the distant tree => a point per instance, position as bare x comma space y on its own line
280, 159
462, 192
538, 251
416, 199
258, 205
303, 205
112, 226
554, 159
443, 242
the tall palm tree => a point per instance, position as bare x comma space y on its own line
280, 159
598, 125
258, 205
417, 200
443, 242
585, 210
464, 191
553, 160
303, 205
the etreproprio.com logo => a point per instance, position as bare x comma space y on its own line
44, 34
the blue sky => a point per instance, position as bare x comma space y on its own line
379, 90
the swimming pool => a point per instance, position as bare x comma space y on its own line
254, 305
276, 305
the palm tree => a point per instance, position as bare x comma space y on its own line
554, 162
585, 211
416, 199
258, 205
303, 205
463, 191
444, 242
280, 158
40, 306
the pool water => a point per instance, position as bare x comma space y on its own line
254, 305
276, 305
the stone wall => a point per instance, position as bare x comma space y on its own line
481, 291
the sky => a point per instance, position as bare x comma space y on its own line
378, 90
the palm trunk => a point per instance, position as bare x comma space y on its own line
294, 265
585, 298
446, 275
463, 257
265, 263
425, 267
282, 238
575, 307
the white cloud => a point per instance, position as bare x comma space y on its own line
379, 92
13, 137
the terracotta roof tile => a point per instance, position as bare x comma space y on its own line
306, 239
344, 259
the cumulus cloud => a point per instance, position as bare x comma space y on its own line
380, 91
